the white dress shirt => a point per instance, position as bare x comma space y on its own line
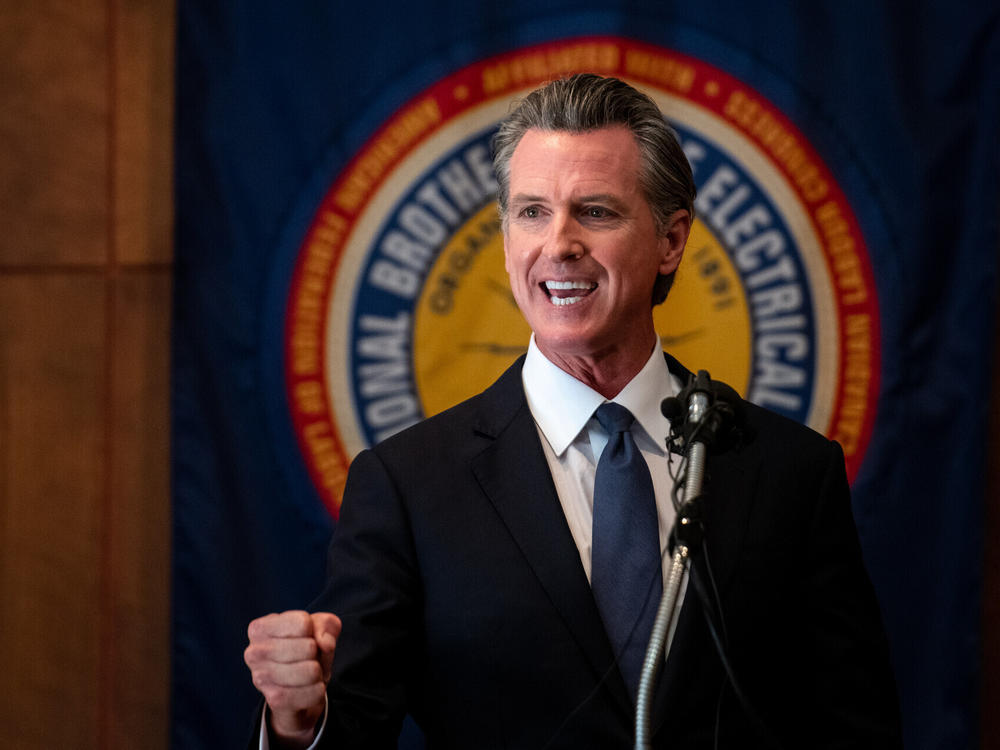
572, 438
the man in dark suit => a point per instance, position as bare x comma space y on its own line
469, 569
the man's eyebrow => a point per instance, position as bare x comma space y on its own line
526, 198
607, 198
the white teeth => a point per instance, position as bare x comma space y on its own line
568, 285
565, 300
561, 286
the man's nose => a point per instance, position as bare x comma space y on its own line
564, 241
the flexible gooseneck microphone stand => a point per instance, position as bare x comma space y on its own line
686, 535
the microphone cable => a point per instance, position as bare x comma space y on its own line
612, 666
711, 606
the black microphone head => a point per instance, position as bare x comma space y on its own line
722, 426
672, 408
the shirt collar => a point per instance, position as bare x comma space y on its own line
561, 405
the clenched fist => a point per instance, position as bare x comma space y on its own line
290, 656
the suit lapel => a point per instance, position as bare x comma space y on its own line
515, 476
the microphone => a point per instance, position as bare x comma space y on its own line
707, 411
697, 415
706, 415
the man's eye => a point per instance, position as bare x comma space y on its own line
597, 212
530, 212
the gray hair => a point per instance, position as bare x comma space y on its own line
585, 102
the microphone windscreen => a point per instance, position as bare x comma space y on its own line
672, 408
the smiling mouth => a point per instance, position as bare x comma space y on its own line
567, 292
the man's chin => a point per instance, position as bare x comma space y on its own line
572, 343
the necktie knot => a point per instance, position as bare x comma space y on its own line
614, 418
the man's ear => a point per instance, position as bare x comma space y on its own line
672, 241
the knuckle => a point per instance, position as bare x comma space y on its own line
254, 628
257, 653
277, 697
300, 619
260, 680
260, 626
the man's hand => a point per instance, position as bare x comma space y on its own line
290, 656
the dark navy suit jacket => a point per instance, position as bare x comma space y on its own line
464, 602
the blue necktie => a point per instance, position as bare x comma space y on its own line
625, 559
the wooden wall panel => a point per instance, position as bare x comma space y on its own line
86, 93
52, 350
137, 631
54, 131
137, 627
143, 148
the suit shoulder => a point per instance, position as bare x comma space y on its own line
758, 426
775, 433
482, 415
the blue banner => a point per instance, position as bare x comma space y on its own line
339, 276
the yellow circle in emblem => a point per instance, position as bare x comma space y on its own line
468, 328
705, 320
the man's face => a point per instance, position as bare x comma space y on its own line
581, 244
